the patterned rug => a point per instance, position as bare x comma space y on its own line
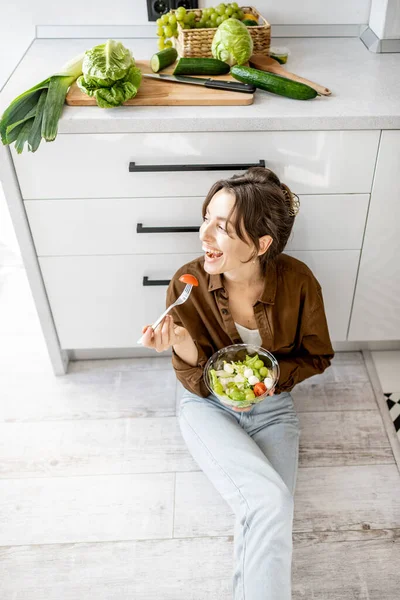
393, 403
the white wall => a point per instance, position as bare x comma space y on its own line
316, 12
19, 17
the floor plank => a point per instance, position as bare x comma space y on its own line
357, 565
131, 445
343, 438
85, 509
103, 392
363, 497
89, 447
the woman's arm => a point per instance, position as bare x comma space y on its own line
315, 353
187, 350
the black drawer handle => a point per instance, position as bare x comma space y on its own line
188, 229
147, 281
134, 168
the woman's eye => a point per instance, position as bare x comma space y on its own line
222, 229
205, 218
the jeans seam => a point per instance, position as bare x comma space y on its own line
234, 485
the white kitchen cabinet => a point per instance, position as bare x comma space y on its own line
88, 226
97, 165
336, 271
376, 311
101, 302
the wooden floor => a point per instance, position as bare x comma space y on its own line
100, 499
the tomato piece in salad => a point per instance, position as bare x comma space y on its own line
260, 389
187, 278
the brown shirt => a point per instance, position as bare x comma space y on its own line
289, 313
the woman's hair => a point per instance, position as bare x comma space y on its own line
263, 206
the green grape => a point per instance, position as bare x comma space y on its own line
220, 9
250, 395
172, 19
168, 31
240, 14
258, 364
229, 11
209, 24
199, 24
168, 44
235, 5
205, 13
160, 31
224, 18
159, 22
180, 13
218, 21
213, 18
164, 19
161, 43
192, 16
234, 15
263, 371
186, 18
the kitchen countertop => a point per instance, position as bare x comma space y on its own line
365, 92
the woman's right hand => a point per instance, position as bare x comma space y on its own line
167, 334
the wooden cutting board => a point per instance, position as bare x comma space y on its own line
166, 93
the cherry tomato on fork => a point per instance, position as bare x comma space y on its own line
187, 278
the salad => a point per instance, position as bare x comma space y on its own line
242, 381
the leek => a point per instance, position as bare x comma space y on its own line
34, 114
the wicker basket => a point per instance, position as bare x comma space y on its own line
197, 42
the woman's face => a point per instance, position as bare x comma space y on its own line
223, 252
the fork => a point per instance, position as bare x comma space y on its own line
180, 300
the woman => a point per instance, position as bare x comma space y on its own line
248, 291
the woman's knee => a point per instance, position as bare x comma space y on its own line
272, 501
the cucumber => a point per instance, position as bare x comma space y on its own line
201, 66
249, 23
163, 59
273, 83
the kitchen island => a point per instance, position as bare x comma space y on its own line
80, 214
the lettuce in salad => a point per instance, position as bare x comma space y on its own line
238, 380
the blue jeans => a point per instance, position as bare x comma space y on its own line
251, 459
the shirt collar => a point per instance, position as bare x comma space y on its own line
215, 282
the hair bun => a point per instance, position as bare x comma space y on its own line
292, 199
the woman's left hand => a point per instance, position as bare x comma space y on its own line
248, 408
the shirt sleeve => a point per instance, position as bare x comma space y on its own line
190, 377
315, 352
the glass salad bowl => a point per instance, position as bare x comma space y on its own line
241, 375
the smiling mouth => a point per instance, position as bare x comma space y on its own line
212, 253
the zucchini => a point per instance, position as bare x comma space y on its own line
273, 83
163, 59
201, 66
249, 23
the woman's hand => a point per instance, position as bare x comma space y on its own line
167, 334
247, 409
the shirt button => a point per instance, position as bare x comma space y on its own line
224, 311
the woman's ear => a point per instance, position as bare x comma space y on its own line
265, 242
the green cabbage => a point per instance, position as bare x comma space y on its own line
109, 74
232, 43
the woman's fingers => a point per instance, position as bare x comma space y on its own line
164, 334
148, 336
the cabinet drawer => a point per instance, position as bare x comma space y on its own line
100, 301
111, 225
97, 165
336, 271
